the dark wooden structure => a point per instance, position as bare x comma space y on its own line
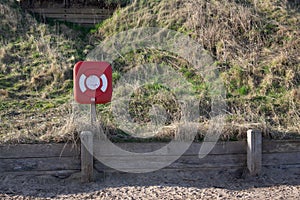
62, 160
82, 12
66, 3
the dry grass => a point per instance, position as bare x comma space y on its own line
255, 45
36, 63
256, 48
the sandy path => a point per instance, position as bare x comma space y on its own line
274, 183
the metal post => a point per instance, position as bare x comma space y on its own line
93, 113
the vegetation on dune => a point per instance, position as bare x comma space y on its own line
255, 45
36, 63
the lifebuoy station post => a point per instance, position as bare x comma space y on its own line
92, 85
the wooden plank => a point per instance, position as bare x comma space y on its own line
87, 160
234, 147
71, 11
185, 162
37, 158
82, 21
174, 171
254, 151
88, 25
276, 159
281, 146
39, 164
220, 148
38, 150
58, 174
210, 161
67, 150
76, 16
55, 150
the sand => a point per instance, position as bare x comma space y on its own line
273, 183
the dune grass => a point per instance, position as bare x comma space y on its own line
255, 45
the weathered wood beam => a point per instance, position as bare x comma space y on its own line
254, 152
87, 159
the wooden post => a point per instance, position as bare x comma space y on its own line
254, 152
87, 162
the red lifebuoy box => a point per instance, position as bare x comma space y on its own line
92, 82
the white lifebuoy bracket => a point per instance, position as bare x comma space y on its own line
82, 83
104, 83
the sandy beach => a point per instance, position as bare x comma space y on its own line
273, 183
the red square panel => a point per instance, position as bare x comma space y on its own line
92, 82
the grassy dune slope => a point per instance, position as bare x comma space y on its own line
36, 62
255, 45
